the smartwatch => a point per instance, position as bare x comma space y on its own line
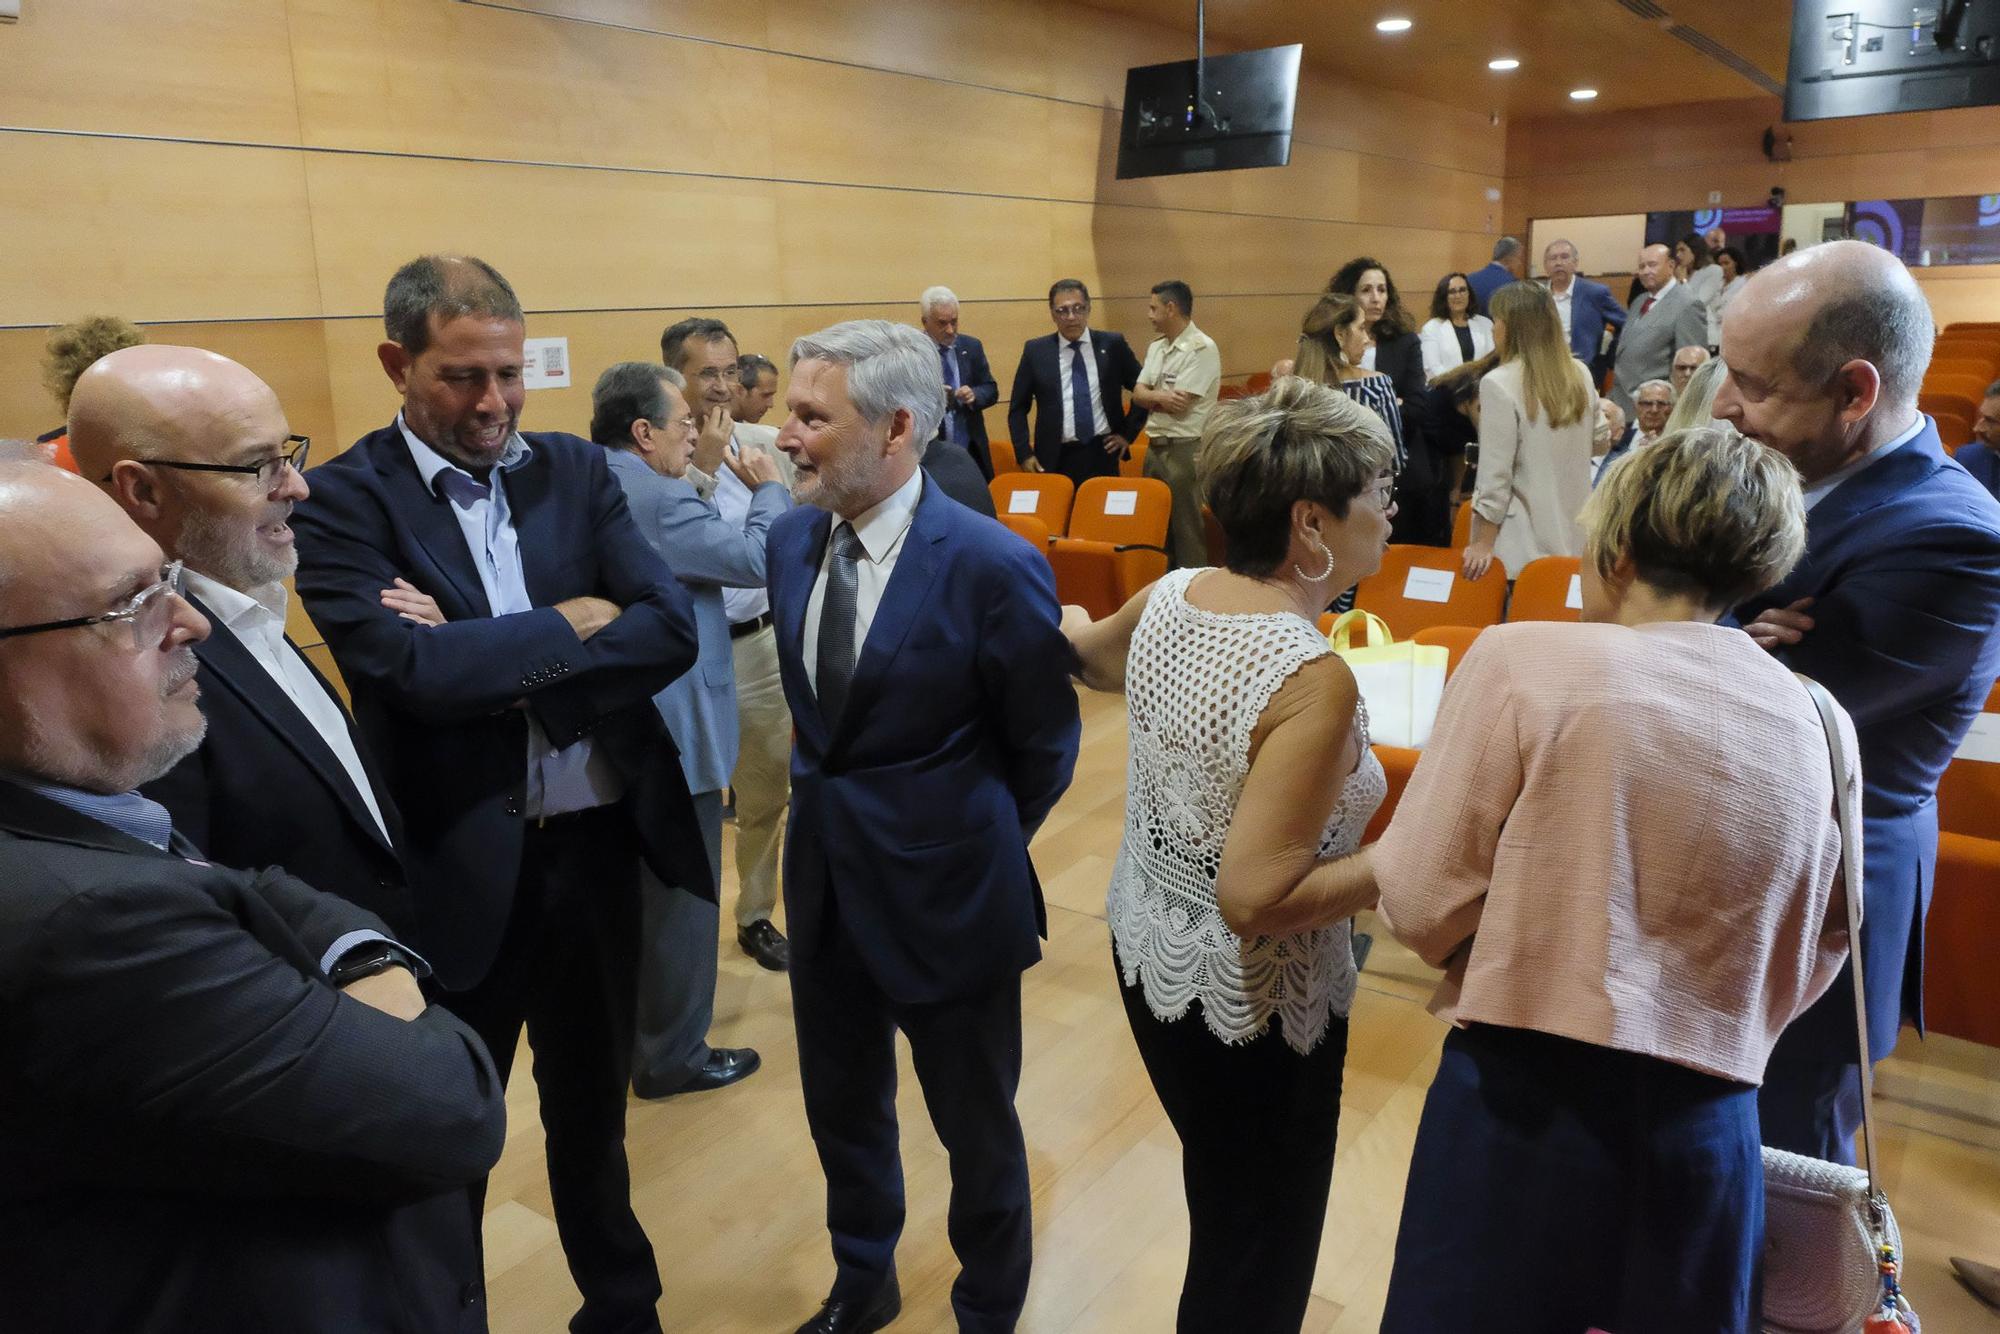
369, 958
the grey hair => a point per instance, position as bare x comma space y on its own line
447, 286
1563, 241
1505, 246
934, 297
1887, 325
1696, 405
1668, 385
626, 393
889, 366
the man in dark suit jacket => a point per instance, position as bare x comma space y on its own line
1048, 380
228, 1107
968, 381
1895, 608
515, 724
1509, 265
1588, 308
921, 654
197, 451
1979, 456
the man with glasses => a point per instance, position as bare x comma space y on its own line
1076, 380
196, 449
516, 724
227, 1107
639, 415
1651, 407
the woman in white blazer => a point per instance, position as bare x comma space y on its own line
1537, 417
1453, 335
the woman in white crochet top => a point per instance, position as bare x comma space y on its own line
1249, 772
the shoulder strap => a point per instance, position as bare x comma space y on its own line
1850, 864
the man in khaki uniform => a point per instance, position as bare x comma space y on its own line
1178, 386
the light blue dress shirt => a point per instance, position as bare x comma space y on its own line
560, 779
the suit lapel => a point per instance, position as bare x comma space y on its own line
795, 576
431, 521
535, 526
909, 585
1828, 522
233, 666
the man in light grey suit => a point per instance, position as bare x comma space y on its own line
1668, 318
640, 414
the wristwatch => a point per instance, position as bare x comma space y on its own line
371, 957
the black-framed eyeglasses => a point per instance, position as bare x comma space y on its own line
147, 613
267, 471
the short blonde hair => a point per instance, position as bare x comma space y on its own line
1263, 454
1703, 513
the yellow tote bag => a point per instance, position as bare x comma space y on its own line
1401, 683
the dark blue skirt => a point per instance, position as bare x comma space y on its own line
1559, 1186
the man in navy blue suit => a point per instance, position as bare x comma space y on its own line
503, 626
1895, 609
1981, 457
923, 659
1082, 425
968, 380
1509, 265
1586, 308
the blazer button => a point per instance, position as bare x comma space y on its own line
513, 806
468, 1295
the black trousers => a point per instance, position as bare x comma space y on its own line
568, 969
1084, 459
967, 1054
1257, 1123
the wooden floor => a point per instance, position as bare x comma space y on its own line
730, 1191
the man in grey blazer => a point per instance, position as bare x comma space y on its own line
640, 415
1669, 317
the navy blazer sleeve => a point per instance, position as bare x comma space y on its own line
262, 1078
1127, 365
1614, 314
475, 666
1025, 663
985, 393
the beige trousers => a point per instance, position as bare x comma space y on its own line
762, 781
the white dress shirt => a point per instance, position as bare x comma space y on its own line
257, 619
732, 499
1640, 307
882, 531
1065, 358
1564, 300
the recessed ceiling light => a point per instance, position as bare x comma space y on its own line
1503, 64
1392, 25
1582, 94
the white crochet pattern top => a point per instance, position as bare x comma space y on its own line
1196, 683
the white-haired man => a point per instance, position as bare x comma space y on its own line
968, 381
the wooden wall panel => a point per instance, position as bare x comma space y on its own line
739, 21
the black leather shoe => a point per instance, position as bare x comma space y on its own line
764, 943
849, 1317
724, 1066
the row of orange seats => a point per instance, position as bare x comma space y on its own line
1105, 540
1964, 362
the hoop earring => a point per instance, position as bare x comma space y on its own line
1325, 573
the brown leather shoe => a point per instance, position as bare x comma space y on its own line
851, 1317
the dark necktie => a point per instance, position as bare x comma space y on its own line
954, 428
835, 669
1646, 306
1079, 392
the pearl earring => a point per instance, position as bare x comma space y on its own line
1325, 573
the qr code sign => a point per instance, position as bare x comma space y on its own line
546, 363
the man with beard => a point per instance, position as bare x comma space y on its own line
224, 1109
197, 451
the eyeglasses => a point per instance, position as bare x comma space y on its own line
148, 613
1069, 312
267, 471
1383, 492
687, 423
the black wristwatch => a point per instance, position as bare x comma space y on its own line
371, 957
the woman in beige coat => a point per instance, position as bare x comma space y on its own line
1537, 413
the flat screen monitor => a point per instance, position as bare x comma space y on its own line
1873, 57
1241, 117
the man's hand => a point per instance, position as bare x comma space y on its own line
1781, 627
1174, 402
393, 991
963, 394
752, 469
587, 616
1029, 463
1476, 560
412, 604
713, 442
1117, 445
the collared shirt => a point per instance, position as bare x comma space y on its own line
257, 619
1642, 308
1191, 364
560, 779
882, 530
1564, 300
1066, 354
1826, 485
732, 500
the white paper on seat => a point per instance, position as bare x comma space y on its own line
1121, 502
1428, 585
1022, 502
1983, 741
1575, 599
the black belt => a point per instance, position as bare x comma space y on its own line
740, 629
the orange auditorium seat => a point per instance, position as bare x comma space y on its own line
1004, 460
1961, 985
1953, 429
1398, 763
1461, 526
1955, 404
1968, 791
1975, 367
1453, 639
1134, 463
1045, 495
1029, 529
1116, 542
1548, 589
1259, 382
1421, 586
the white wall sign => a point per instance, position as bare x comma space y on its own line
547, 366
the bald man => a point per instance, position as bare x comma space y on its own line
1664, 320
197, 450
217, 1116
1895, 609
